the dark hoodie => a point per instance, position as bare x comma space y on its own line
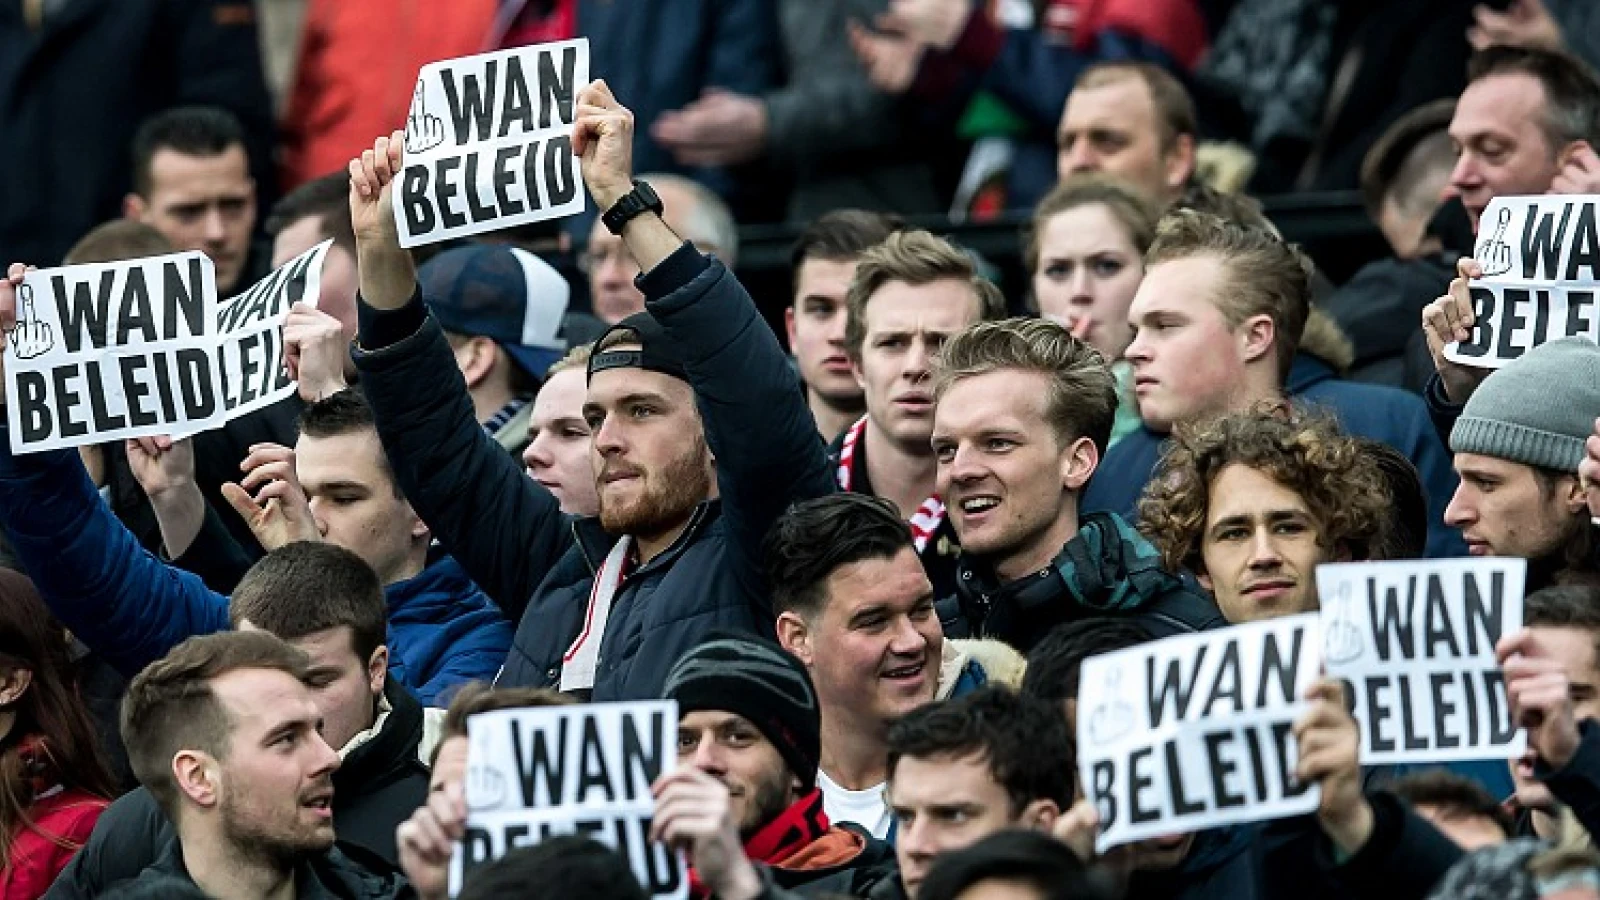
1107, 568
380, 783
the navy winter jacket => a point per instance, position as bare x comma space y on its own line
1393, 416
538, 564
132, 608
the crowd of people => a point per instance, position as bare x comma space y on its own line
571, 463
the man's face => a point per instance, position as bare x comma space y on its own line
1502, 508
905, 327
650, 455
205, 203
559, 452
733, 751
611, 267
1088, 272
874, 648
344, 686
942, 804
1007, 483
1574, 649
1187, 362
1497, 129
1113, 128
355, 503
339, 279
816, 329
276, 786
1261, 547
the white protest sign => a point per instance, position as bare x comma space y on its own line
488, 143
110, 351
1196, 731
1541, 267
536, 773
1414, 642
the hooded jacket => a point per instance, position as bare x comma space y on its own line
131, 608
1107, 568
379, 783
1388, 415
801, 849
539, 565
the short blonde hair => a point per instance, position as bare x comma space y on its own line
916, 258
1264, 275
1082, 398
576, 358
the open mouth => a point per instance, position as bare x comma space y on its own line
321, 804
907, 673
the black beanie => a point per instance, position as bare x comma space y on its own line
762, 683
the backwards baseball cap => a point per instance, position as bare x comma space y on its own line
760, 682
502, 293
656, 352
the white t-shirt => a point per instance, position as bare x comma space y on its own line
866, 809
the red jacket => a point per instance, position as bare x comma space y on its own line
37, 852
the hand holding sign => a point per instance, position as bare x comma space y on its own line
1493, 253
161, 465
1330, 754
1580, 174
1540, 696
371, 190
1076, 828
424, 131
695, 815
314, 351
278, 513
1447, 320
427, 840
603, 139
1589, 473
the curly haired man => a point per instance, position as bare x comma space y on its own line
1252, 502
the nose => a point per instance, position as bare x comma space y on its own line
1080, 158
907, 640
327, 758
216, 230
1459, 512
612, 268
964, 465
706, 757
916, 839
1082, 287
608, 437
1264, 552
536, 454
1466, 175
919, 359
835, 329
1137, 352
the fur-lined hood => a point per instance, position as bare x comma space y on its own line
1324, 339
1000, 663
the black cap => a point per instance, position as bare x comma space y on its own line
657, 353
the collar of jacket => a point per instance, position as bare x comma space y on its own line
595, 542
431, 595
319, 875
386, 750
1106, 567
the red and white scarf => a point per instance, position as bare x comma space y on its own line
928, 517
578, 665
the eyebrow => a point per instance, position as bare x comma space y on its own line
1274, 515
336, 485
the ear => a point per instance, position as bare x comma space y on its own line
1078, 464
788, 325
1259, 337
481, 357
13, 684
855, 370
197, 777
795, 637
1204, 577
1040, 815
134, 207
1181, 161
377, 671
1576, 499
419, 528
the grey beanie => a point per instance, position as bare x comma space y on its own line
1538, 410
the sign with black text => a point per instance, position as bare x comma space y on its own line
539, 772
1197, 731
1413, 641
1540, 257
109, 351
488, 143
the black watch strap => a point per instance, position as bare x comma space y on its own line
635, 202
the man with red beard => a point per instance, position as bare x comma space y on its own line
701, 438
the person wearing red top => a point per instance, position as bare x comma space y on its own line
53, 782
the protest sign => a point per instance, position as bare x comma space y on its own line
488, 143
535, 773
1196, 731
1540, 257
1413, 641
110, 351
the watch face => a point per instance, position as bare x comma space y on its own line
647, 194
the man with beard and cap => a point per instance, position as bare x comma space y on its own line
701, 439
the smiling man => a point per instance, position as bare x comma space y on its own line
1024, 414
910, 294
1253, 502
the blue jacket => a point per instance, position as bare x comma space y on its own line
538, 564
132, 608
1395, 417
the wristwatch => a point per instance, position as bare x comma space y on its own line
641, 199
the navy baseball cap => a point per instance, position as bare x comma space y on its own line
502, 293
